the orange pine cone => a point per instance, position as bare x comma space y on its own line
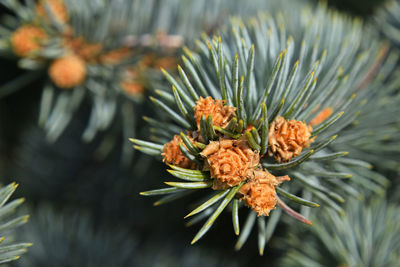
57, 7
27, 39
221, 115
231, 161
172, 154
287, 138
68, 71
259, 193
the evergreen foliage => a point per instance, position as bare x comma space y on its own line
387, 21
259, 108
69, 238
381, 114
368, 235
116, 49
9, 249
252, 66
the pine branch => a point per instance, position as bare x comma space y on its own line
71, 238
372, 136
366, 236
103, 53
10, 251
306, 74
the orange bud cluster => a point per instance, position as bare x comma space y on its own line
259, 193
68, 71
231, 161
172, 154
27, 39
220, 114
287, 138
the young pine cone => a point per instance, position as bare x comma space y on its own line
259, 193
321, 116
231, 161
221, 115
172, 154
68, 71
27, 40
287, 138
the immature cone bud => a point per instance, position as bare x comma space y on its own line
85, 50
259, 193
287, 138
132, 88
131, 83
57, 9
156, 61
68, 72
115, 56
165, 62
27, 39
321, 116
231, 161
221, 115
89, 52
172, 154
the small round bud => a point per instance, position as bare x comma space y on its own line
27, 39
68, 71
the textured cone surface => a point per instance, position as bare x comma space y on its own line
231, 161
220, 114
172, 154
259, 193
287, 138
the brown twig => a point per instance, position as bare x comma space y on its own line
375, 67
